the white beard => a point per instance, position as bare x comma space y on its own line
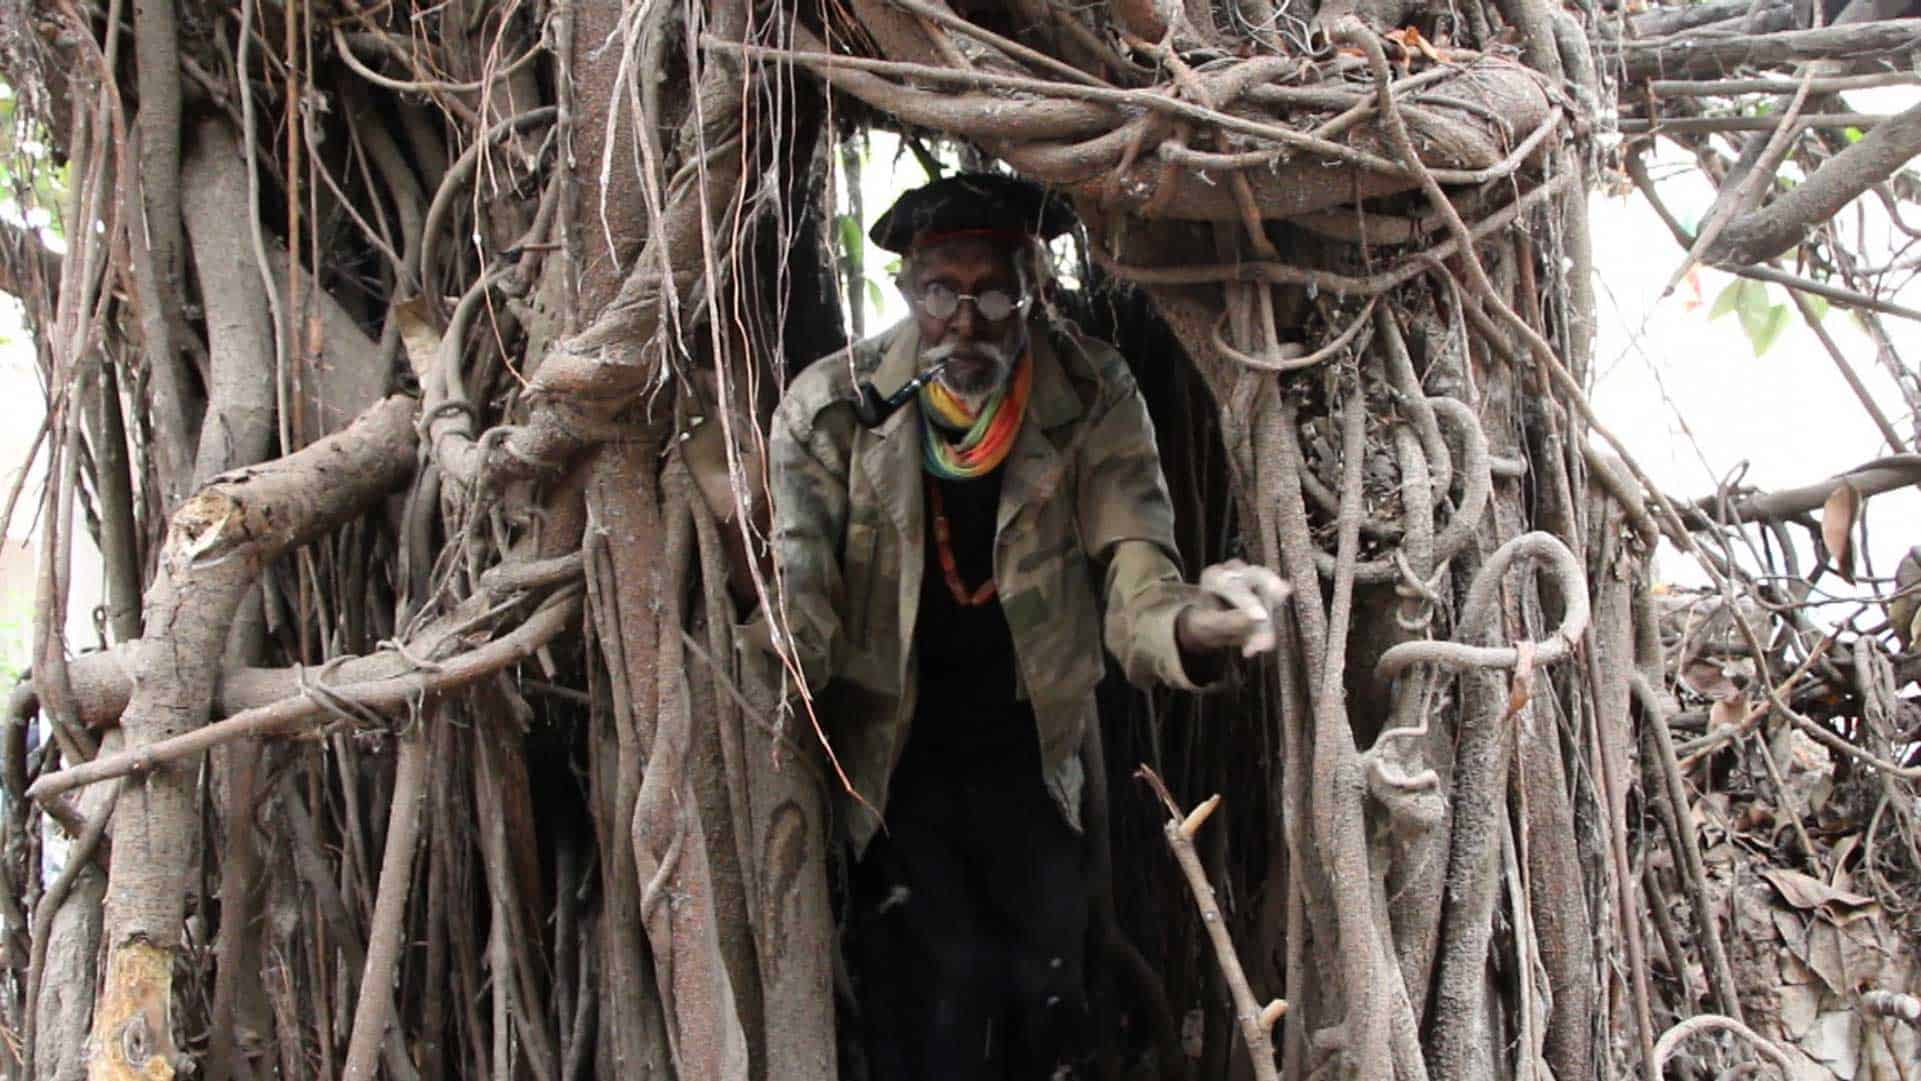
972, 388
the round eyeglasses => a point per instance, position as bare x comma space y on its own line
993, 305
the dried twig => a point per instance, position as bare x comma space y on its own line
1256, 1021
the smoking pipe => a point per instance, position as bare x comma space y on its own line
871, 409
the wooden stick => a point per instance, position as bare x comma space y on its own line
1256, 1021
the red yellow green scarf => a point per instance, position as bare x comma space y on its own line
989, 434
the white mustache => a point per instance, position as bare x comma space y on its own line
947, 351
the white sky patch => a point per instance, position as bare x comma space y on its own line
1695, 405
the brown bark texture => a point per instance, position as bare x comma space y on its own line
416, 738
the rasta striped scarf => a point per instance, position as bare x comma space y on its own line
988, 435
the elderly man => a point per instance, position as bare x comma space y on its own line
948, 499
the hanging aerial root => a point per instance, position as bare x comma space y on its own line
1278, 361
1664, 1048
1478, 484
375, 1009
586, 380
1462, 655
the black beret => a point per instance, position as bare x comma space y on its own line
972, 203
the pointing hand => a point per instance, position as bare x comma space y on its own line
1244, 597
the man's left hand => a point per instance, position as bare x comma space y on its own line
1245, 597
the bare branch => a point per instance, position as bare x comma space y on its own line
1663, 21
319, 702
1255, 1021
1694, 55
1869, 478
1778, 226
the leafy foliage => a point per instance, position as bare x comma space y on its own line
1762, 317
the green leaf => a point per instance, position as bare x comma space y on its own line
874, 295
847, 230
1818, 306
1762, 319
1742, 296
1852, 134
1754, 321
1728, 300
1765, 325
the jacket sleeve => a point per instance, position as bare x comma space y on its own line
810, 517
1127, 521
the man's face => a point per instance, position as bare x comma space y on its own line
982, 351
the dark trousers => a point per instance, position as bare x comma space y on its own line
973, 915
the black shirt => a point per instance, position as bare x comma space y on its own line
968, 716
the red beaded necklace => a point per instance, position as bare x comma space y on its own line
944, 546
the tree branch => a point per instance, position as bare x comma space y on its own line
1703, 54
290, 714
1661, 22
1869, 478
1773, 229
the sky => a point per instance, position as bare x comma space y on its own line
1692, 402
22, 407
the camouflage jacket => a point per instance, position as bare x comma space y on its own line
1082, 489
